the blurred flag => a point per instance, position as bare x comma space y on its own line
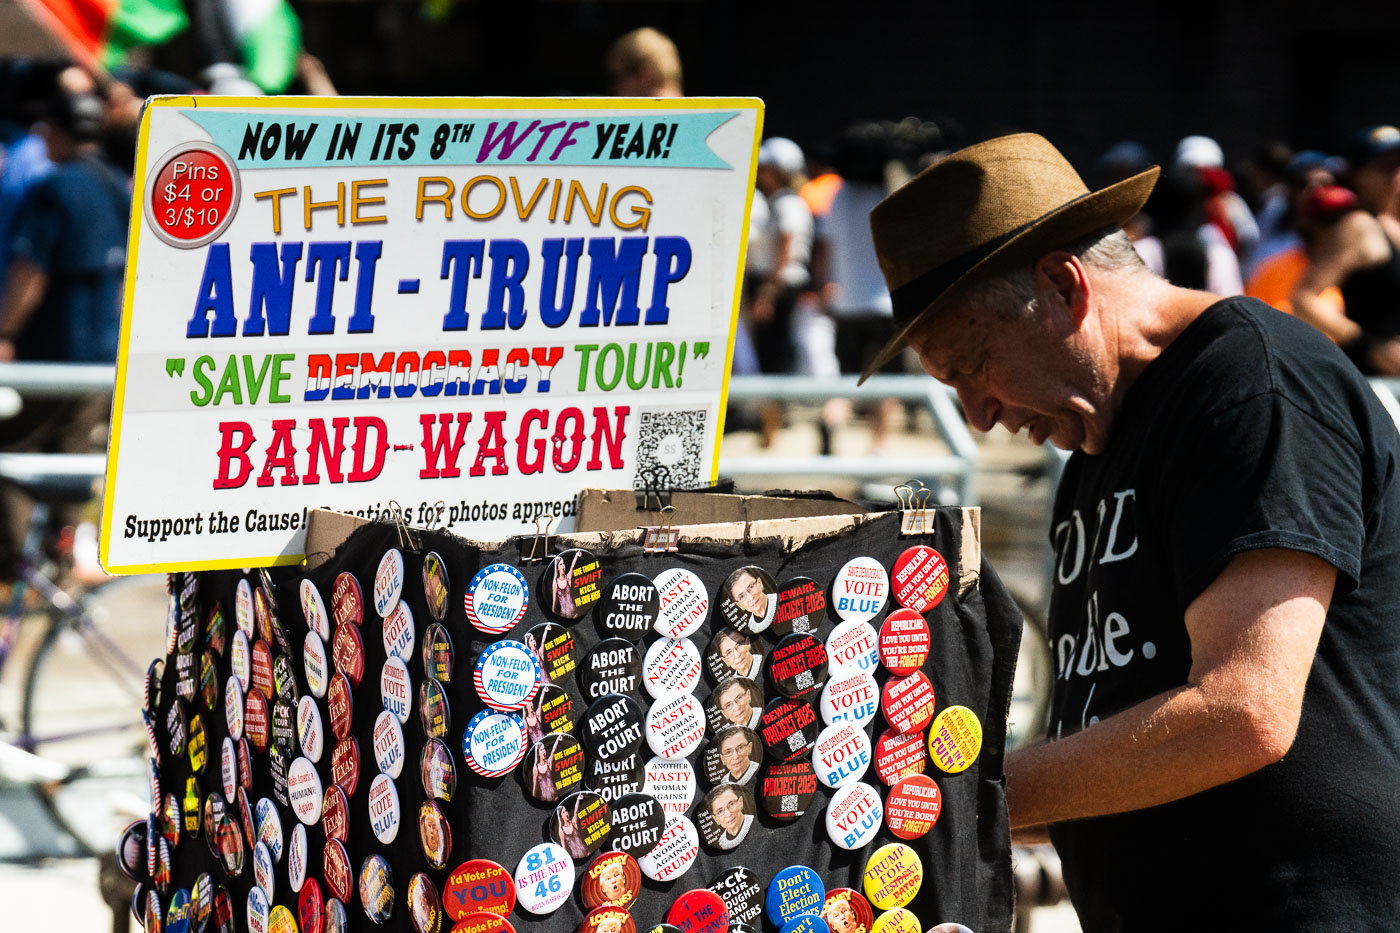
268, 35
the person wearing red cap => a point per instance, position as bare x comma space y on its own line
1225, 725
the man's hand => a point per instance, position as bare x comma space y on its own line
1254, 632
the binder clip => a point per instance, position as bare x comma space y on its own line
539, 544
655, 488
915, 517
663, 538
407, 540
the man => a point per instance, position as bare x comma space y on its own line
1225, 729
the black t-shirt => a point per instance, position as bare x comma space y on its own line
1250, 430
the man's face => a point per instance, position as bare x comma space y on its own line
734, 705
748, 594
612, 882
728, 812
840, 917
734, 752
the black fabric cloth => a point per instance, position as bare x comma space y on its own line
1250, 430
1372, 297
975, 637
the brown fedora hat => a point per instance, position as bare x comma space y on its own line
985, 209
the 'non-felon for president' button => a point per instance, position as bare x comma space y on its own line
493, 743
507, 675
496, 598
920, 578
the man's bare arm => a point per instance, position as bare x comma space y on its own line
1254, 632
25, 284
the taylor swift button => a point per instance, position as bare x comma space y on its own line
581, 823
841, 755
612, 879
893, 875
955, 739
438, 659
243, 607
478, 886
637, 823
384, 811
494, 743
388, 582
377, 885
613, 666
177, 727
552, 710
433, 710
737, 701
912, 806
675, 853
262, 612
801, 607
311, 907
607, 920
907, 702
734, 756
798, 665
742, 894
553, 767
920, 578
683, 605
348, 652
347, 602
629, 607
748, 600
854, 815
209, 679
284, 728
671, 666
314, 609
336, 920
262, 869
725, 815
258, 911
389, 748
335, 814
277, 764
787, 788
424, 904
310, 731
340, 702
335, 868
612, 727
734, 654
399, 632
788, 728
794, 891
436, 589
806, 923
860, 590
571, 584
853, 647
345, 764
850, 698
904, 642
507, 676
241, 660
675, 726
496, 598
434, 834
898, 755
846, 910
544, 879
615, 779
555, 650
316, 664
699, 911
267, 822
305, 791
395, 691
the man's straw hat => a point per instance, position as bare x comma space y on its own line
982, 210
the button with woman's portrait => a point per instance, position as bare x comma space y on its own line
436, 589
737, 701
742, 894
607, 920
552, 710
438, 659
748, 600
494, 743
725, 815
846, 910
734, 654
628, 608
734, 756
571, 584
434, 834
801, 606
434, 711
553, 767
612, 879
637, 823
555, 649
437, 770
581, 823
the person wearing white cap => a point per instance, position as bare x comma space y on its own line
780, 252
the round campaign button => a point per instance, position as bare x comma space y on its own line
201, 900
899, 920
637, 823
340, 701
434, 712
243, 607
494, 743
258, 910
612, 879
955, 739
612, 667
305, 791
483, 923
553, 767
734, 654
787, 788
854, 815
742, 894
841, 755
853, 647
612, 727
284, 680
581, 823
310, 732
399, 632
388, 582
668, 928
296, 857
552, 710
907, 702
199, 751
726, 815
571, 584
347, 602
437, 770
277, 764
860, 589
496, 598
899, 755
734, 756
904, 642
314, 609
737, 701
245, 764
671, 666
748, 600
151, 688
436, 589
699, 911
674, 853
215, 633
672, 783
788, 728
424, 904
384, 811
233, 708
801, 607
170, 820
912, 806
555, 650
284, 727
348, 652
629, 607
507, 675
684, 603
893, 876
262, 613
850, 698
335, 814
389, 749
806, 923
345, 764
268, 827
395, 690
241, 659
335, 866
607, 920
209, 679
920, 578
131, 851
311, 907
316, 664
479, 886
794, 891
229, 841
434, 834
798, 665
438, 659
544, 879
177, 726
336, 920
675, 726
185, 674
846, 910
377, 883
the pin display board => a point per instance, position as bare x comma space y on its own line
973, 632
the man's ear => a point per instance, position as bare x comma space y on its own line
1063, 275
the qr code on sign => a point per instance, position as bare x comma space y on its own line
671, 450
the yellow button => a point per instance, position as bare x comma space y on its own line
898, 920
893, 876
954, 739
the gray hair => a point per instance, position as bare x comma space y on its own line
1012, 294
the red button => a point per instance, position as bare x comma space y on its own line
912, 806
477, 886
193, 196
920, 578
699, 911
904, 641
898, 756
908, 703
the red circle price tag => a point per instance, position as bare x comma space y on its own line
193, 196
